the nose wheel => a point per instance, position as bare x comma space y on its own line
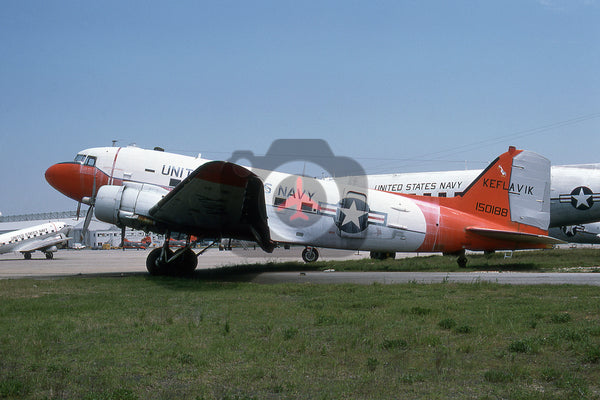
310, 254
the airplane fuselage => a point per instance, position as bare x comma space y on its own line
384, 222
575, 189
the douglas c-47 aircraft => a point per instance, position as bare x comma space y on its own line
44, 238
506, 207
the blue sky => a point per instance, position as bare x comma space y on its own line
397, 85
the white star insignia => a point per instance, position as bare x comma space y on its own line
582, 199
352, 215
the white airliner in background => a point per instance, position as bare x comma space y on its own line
45, 238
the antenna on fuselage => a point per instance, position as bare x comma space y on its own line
114, 142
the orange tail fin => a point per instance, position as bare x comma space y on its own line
513, 191
506, 207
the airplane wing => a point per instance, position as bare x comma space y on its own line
513, 236
219, 199
41, 244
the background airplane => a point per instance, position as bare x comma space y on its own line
45, 238
585, 234
507, 207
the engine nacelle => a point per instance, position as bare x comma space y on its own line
127, 205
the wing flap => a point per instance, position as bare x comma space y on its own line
219, 199
513, 236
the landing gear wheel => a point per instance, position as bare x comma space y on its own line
462, 261
27, 256
310, 254
49, 255
186, 263
154, 263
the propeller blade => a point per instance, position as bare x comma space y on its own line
86, 223
78, 209
123, 237
90, 211
94, 185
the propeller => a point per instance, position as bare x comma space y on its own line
87, 221
123, 237
91, 201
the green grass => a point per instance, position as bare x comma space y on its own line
141, 337
540, 260
554, 260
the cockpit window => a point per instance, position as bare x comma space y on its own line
91, 161
80, 158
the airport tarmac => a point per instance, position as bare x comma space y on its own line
129, 261
133, 262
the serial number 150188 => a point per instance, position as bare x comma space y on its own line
490, 209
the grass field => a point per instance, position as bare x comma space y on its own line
141, 337
555, 260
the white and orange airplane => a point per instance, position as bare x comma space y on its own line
506, 208
45, 238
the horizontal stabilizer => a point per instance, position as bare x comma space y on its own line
513, 236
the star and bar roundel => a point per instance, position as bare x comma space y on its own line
352, 214
581, 198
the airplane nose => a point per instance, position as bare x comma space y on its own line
68, 179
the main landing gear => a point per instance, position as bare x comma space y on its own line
310, 254
49, 255
164, 261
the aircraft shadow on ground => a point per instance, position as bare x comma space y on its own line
228, 274
248, 272
235, 272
